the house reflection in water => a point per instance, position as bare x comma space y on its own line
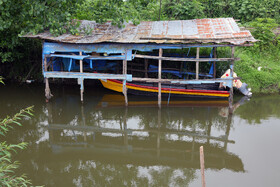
141, 142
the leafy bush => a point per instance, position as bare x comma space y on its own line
262, 29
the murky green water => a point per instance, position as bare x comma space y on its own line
103, 143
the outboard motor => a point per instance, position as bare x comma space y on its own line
245, 90
242, 87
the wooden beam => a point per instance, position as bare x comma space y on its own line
81, 63
159, 77
197, 64
124, 82
92, 57
189, 39
231, 75
48, 93
81, 80
185, 59
202, 167
74, 75
215, 56
146, 68
182, 81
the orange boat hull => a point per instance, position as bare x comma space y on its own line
138, 89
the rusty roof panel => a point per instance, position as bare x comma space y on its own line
220, 30
189, 28
174, 28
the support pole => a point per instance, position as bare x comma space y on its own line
48, 93
159, 78
124, 81
197, 64
202, 168
81, 80
231, 75
215, 56
146, 68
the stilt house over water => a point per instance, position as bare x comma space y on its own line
115, 56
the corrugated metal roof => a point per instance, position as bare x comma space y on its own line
219, 30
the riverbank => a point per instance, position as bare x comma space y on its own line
259, 69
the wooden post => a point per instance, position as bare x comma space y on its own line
202, 168
197, 64
81, 63
81, 80
215, 56
159, 78
231, 75
146, 68
48, 93
124, 82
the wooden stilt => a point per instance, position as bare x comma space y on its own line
82, 95
124, 82
146, 68
197, 64
159, 78
215, 56
48, 93
202, 168
47, 90
81, 80
231, 75
81, 63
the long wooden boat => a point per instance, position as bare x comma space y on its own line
207, 91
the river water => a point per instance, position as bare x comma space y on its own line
104, 143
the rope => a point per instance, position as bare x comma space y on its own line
189, 51
134, 54
169, 95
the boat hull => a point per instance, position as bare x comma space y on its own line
150, 89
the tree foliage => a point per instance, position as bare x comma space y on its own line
7, 166
262, 29
18, 17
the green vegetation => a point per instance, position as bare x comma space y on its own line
7, 165
259, 65
18, 17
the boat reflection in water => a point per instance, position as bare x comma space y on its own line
110, 144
